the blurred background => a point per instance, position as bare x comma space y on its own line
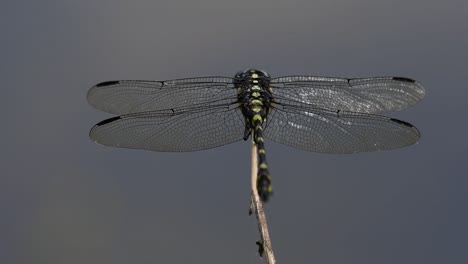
65, 199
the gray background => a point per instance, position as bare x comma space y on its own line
64, 199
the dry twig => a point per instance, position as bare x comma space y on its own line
265, 249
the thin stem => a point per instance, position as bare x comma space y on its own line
265, 243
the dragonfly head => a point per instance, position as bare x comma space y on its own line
251, 73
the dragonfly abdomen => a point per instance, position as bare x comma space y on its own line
254, 96
264, 186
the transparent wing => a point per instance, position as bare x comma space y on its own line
364, 95
324, 131
172, 131
126, 97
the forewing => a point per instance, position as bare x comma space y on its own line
126, 97
364, 95
172, 131
343, 132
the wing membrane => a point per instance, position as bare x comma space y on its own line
172, 131
127, 96
324, 131
364, 95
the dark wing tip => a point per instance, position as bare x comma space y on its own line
107, 121
102, 123
415, 130
404, 123
401, 122
404, 79
108, 83
93, 93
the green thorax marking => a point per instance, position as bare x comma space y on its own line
256, 88
254, 96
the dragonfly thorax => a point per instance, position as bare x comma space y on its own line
253, 93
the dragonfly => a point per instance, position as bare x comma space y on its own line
312, 113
